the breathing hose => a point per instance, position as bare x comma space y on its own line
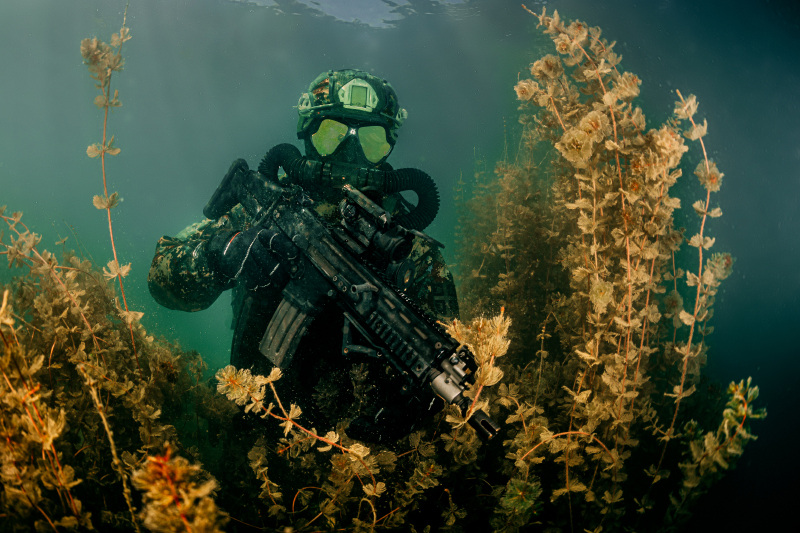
307, 172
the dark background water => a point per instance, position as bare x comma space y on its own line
208, 81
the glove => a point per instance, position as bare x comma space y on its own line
246, 256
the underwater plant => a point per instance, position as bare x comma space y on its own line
176, 496
582, 235
77, 420
103, 60
592, 357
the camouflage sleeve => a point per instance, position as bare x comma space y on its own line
181, 276
433, 285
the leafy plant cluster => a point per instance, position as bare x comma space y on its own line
89, 399
576, 234
78, 417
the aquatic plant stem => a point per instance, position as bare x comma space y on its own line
555, 110
126, 491
294, 500
53, 273
286, 418
388, 514
27, 496
688, 352
567, 433
543, 336
644, 327
374, 513
689, 341
478, 393
107, 95
625, 217
639, 360
55, 464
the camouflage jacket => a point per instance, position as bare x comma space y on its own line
182, 278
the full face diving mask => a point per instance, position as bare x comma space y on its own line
333, 134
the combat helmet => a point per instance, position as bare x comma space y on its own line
349, 121
349, 109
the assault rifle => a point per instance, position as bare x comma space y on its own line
363, 263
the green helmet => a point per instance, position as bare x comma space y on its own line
350, 99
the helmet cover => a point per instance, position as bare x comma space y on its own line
352, 96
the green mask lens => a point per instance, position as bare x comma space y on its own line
331, 133
373, 142
328, 136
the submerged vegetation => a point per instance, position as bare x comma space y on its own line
577, 235
593, 358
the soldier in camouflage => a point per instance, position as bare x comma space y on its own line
347, 116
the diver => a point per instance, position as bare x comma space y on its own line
351, 117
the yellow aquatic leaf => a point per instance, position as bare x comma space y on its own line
110, 202
110, 148
686, 109
489, 376
526, 90
274, 375
131, 316
359, 450
697, 131
115, 270
375, 490
696, 240
686, 318
94, 150
331, 436
610, 98
115, 101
